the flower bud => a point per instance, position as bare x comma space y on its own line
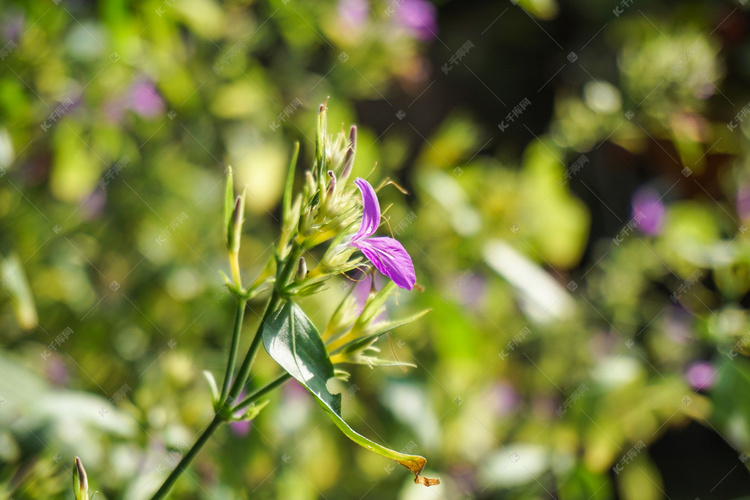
235, 227
320, 141
332, 185
228, 203
310, 186
349, 158
80, 481
301, 269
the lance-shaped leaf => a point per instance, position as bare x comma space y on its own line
291, 339
214, 388
377, 330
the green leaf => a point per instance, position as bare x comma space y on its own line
291, 339
212, 385
252, 411
375, 306
378, 329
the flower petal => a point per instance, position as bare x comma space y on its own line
390, 258
370, 212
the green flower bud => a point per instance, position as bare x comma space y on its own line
80, 481
235, 226
349, 157
301, 269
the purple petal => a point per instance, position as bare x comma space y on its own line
390, 258
649, 211
366, 285
701, 375
370, 212
241, 428
354, 13
145, 100
743, 201
362, 291
420, 17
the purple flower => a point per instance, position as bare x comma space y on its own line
648, 211
386, 254
12, 27
504, 399
241, 428
419, 17
145, 100
354, 13
743, 202
701, 375
365, 286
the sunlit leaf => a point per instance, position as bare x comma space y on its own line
292, 340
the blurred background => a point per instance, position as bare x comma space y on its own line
579, 198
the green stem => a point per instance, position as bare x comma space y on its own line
241, 303
252, 398
247, 364
283, 278
215, 423
187, 459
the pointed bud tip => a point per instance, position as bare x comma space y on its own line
235, 227
239, 208
301, 269
80, 481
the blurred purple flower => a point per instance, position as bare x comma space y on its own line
701, 375
12, 26
677, 323
93, 206
419, 17
354, 13
241, 428
294, 390
504, 399
743, 202
386, 254
56, 371
469, 289
145, 100
648, 211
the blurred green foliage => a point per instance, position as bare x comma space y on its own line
572, 321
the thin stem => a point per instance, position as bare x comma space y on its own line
241, 303
252, 398
187, 459
215, 423
247, 364
234, 263
282, 280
